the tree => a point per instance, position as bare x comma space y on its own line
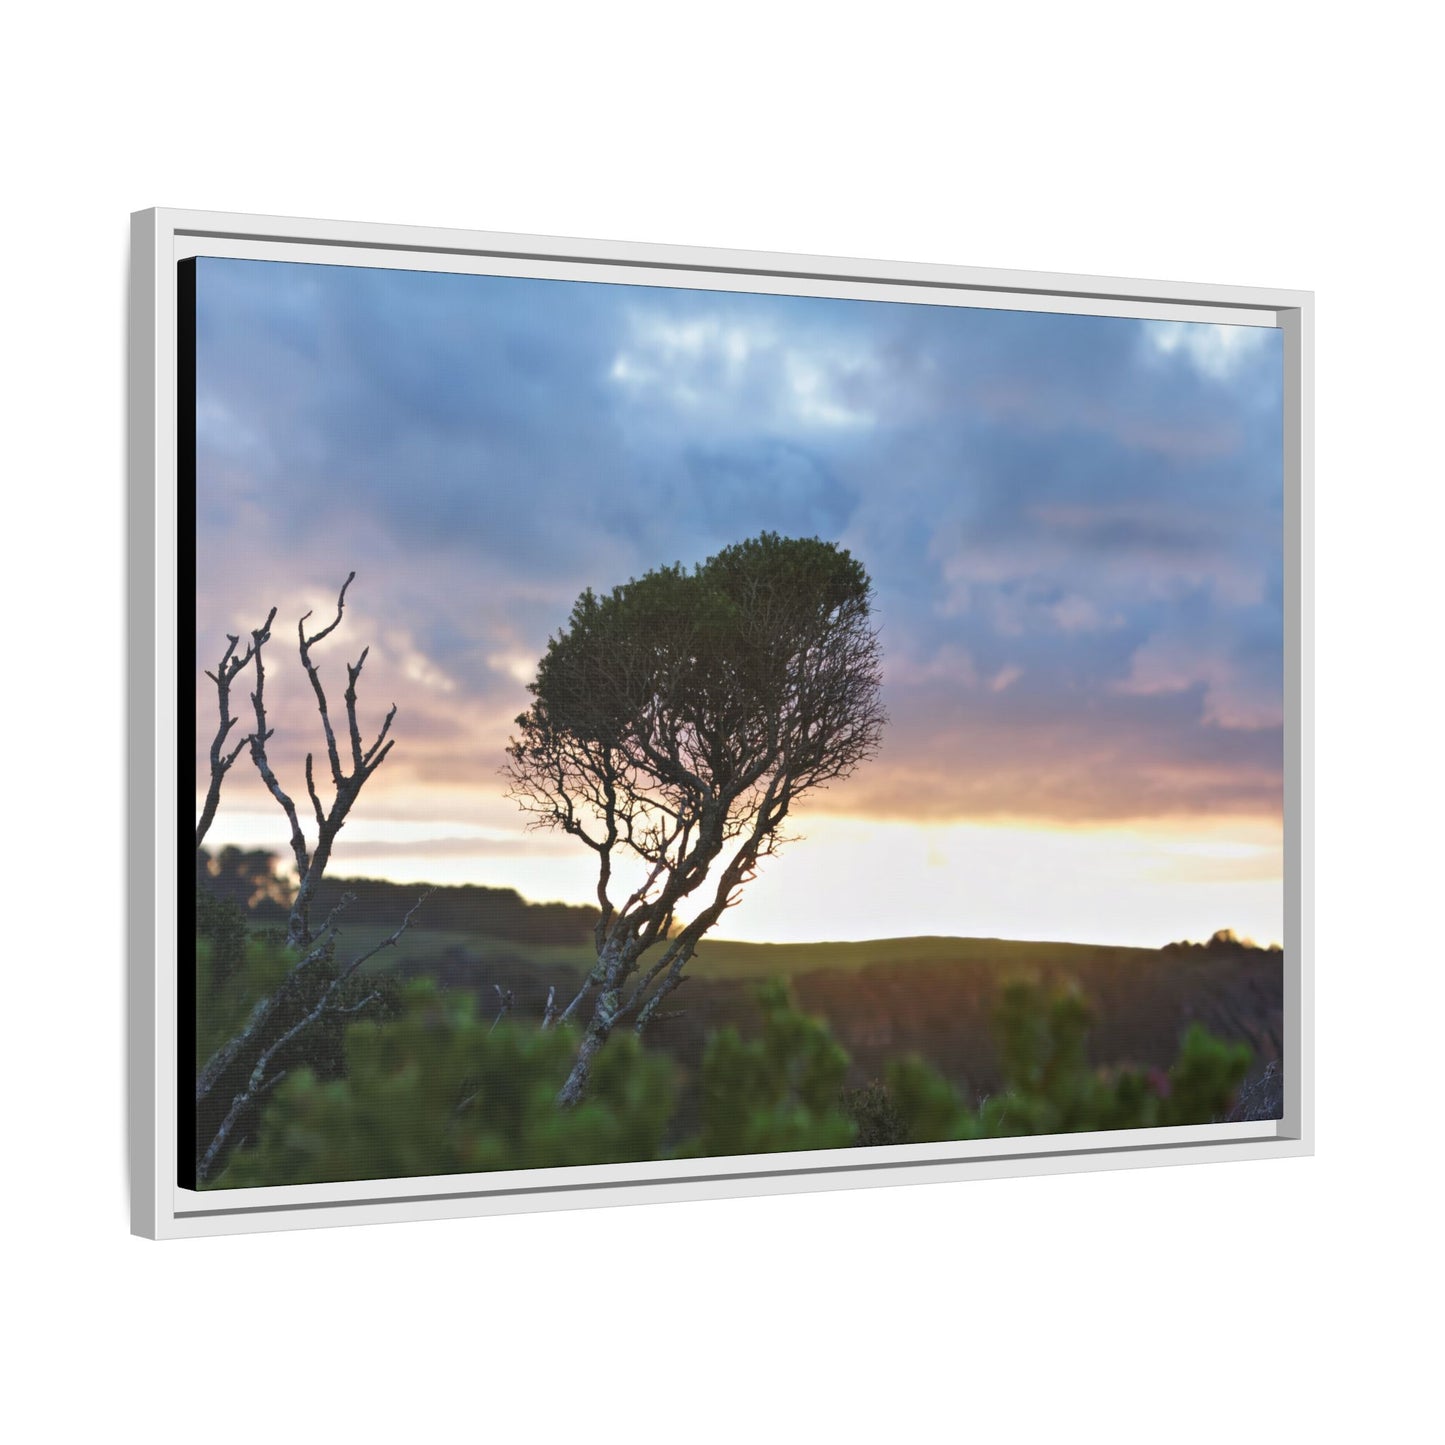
677, 722
314, 994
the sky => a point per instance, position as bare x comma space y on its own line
1073, 526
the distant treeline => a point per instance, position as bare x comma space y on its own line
248, 878
1226, 943
470, 908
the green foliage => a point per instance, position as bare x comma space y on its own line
1051, 1087
759, 660
718, 642
234, 971
778, 1092
221, 926
930, 1107
875, 1116
440, 1091
1204, 1081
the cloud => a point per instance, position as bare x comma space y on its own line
1074, 524
1033, 750
1236, 689
1215, 351
763, 354
444, 847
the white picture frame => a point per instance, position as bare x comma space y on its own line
160, 1206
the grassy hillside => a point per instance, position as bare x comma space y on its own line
888, 997
725, 959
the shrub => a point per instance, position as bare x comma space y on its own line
234, 971
440, 1091
1051, 1088
778, 1092
873, 1113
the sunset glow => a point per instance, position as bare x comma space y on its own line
1072, 524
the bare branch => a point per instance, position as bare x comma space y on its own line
321, 950
372, 759
306, 644
357, 1007
389, 942
335, 621
353, 671
227, 671
566, 1015
505, 996
311, 862
315, 796
258, 1083
258, 740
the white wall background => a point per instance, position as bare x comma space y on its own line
1268, 144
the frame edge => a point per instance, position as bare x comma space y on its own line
1297, 325
369, 235
153, 233
140, 828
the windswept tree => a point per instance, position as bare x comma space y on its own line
677, 722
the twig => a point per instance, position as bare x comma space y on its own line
227, 671
588, 984
311, 862
505, 995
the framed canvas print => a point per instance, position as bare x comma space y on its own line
617, 722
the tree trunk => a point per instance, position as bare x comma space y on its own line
614, 964
592, 1041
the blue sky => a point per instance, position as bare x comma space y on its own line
1073, 526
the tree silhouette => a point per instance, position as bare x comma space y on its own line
315, 990
676, 723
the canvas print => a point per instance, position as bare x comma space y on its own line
638, 723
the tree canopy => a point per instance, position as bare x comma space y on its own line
676, 722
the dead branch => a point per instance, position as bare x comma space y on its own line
505, 996
258, 1083
311, 860
588, 984
321, 949
230, 667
